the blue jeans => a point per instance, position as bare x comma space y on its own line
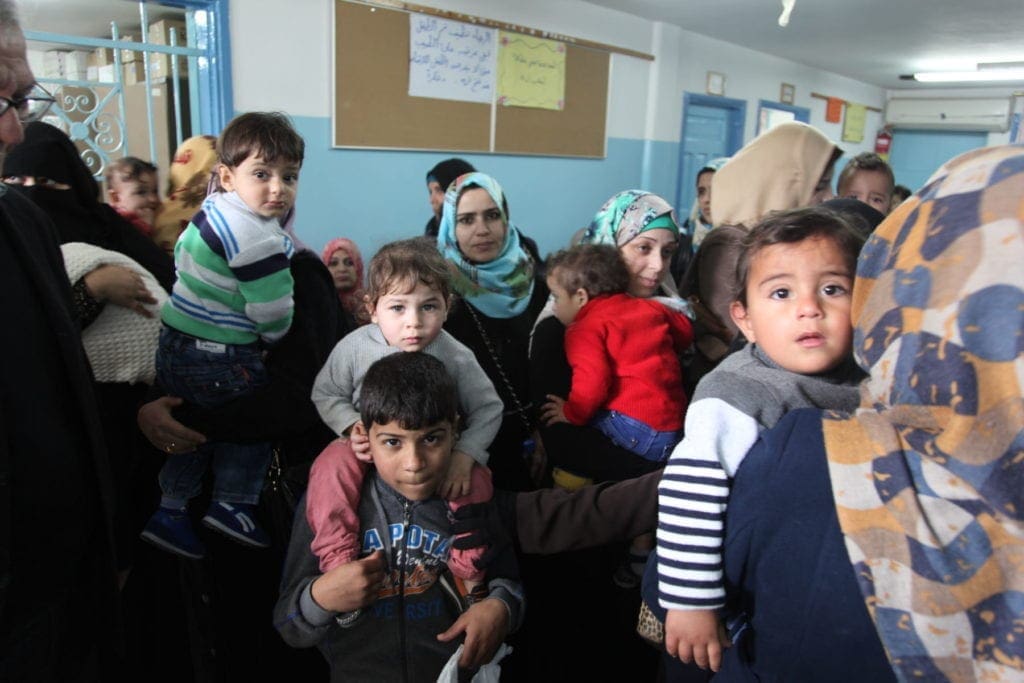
209, 374
635, 436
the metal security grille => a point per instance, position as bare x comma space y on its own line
143, 90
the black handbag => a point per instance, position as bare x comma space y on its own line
282, 489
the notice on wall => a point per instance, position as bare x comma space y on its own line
853, 126
531, 72
449, 60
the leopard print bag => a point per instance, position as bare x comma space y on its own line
649, 627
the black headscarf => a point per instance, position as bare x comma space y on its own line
77, 213
862, 217
443, 174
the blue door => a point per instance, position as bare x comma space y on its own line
917, 154
712, 127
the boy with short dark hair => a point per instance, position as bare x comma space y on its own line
132, 192
233, 296
409, 621
796, 276
868, 178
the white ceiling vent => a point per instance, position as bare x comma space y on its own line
982, 114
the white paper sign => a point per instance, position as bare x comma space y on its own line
450, 60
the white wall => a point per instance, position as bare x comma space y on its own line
645, 98
281, 60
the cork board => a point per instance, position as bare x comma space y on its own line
372, 107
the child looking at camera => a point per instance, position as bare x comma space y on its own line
868, 178
407, 296
388, 615
793, 306
132, 192
233, 296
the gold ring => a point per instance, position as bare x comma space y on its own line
170, 447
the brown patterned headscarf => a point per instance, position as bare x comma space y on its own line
187, 181
928, 474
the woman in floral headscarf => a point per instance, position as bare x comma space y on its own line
643, 228
187, 182
889, 544
499, 296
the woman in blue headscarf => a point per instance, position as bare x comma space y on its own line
499, 294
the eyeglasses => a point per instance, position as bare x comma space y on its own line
30, 107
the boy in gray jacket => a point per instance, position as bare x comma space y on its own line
389, 616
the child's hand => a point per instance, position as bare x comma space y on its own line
456, 482
553, 411
350, 586
485, 625
694, 635
360, 442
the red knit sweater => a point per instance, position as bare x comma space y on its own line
623, 352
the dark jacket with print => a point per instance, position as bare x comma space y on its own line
395, 639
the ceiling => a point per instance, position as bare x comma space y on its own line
868, 40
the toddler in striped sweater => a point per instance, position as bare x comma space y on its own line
795, 279
232, 299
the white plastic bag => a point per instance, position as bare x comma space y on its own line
488, 673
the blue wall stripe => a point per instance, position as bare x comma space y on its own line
374, 197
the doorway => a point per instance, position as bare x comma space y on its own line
712, 127
917, 154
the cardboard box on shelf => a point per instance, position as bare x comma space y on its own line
101, 56
105, 73
135, 72
160, 66
158, 32
54, 63
77, 60
128, 56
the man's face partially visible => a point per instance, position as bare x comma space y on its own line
16, 79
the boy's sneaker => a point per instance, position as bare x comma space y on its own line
236, 521
171, 530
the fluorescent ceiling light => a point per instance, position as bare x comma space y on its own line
985, 73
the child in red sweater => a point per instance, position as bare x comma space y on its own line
626, 377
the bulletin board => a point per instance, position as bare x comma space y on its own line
373, 108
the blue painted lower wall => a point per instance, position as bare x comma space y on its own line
374, 197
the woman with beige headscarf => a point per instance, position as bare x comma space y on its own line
787, 167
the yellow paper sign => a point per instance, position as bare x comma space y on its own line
531, 72
853, 126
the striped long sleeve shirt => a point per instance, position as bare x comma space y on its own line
746, 394
234, 284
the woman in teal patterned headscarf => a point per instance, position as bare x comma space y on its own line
626, 216
490, 268
499, 297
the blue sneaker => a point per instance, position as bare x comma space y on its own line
236, 521
171, 530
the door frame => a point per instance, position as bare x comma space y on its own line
738, 116
802, 114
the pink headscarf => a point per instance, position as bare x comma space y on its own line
351, 299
